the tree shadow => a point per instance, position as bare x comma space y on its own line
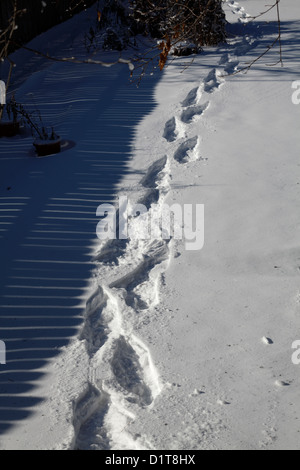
261, 35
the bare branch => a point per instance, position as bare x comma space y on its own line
74, 60
278, 41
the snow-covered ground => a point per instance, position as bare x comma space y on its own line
143, 344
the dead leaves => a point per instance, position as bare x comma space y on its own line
165, 47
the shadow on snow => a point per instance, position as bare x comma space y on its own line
48, 216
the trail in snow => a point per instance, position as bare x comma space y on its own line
197, 100
123, 376
233, 296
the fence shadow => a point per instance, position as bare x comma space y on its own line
48, 216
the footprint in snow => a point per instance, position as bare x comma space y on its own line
128, 373
280, 384
231, 67
213, 81
187, 151
223, 403
267, 341
188, 114
170, 130
224, 59
191, 98
149, 198
197, 393
154, 173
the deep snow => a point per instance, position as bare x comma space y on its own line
177, 349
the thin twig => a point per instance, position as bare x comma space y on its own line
74, 60
269, 48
